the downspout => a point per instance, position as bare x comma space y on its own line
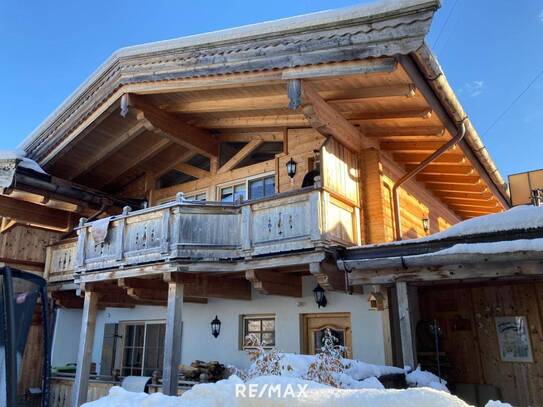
406, 177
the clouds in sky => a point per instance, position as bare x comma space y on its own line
541, 16
473, 88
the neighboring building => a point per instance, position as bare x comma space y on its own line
250, 159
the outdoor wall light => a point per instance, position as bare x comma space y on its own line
291, 168
320, 298
215, 327
426, 224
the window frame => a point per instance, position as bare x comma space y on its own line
194, 194
122, 326
246, 182
243, 332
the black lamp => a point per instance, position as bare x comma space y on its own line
291, 168
215, 327
320, 298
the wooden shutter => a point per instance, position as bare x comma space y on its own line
108, 349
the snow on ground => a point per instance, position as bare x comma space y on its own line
21, 155
294, 365
223, 394
420, 378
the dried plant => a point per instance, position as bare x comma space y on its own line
265, 361
328, 364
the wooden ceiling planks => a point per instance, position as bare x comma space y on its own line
383, 106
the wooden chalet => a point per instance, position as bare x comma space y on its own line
234, 168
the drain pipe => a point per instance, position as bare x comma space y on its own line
436, 154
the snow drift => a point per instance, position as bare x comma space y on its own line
223, 394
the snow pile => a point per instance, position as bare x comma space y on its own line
420, 378
519, 217
507, 246
354, 371
21, 155
228, 393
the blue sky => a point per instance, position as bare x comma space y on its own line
489, 49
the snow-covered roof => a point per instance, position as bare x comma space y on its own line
513, 235
24, 161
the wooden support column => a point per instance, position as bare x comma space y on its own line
173, 337
86, 339
406, 332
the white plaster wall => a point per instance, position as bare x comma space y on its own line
66, 337
198, 343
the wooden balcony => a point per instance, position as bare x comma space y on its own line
189, 231
59, 261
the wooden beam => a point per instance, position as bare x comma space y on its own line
244, 152
428, 131
280, 100
413, 146
328, 275
7, 224
171, 159
406, 330
237, 137
173, 338
271, 282
452, 179
325, 118
175, 129
134, 161
443, 186
34, 214
444, 195
473, 212
413, 158
479, 203
439, 169
104, 152
84, 356
192, 170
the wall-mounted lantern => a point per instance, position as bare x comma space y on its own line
291, 168
320, 298
426, 224
376, 301
215, 327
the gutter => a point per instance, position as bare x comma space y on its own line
424, 163
423, 63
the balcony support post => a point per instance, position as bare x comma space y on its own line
86, 339
173, 336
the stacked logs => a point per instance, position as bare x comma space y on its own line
200, 371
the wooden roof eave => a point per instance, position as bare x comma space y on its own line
472, 145
396, 29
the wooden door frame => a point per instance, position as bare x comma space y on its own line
303, 326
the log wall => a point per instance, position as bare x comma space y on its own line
466, 315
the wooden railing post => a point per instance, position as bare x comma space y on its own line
406, 332
86, 338
81, 243
173, 337
316, 215
246, 228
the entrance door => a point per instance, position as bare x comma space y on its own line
313, 327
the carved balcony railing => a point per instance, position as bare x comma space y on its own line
60, 261
191, 231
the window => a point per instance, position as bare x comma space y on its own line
233, 193
202, 196
143, 348
263, 327
261, 187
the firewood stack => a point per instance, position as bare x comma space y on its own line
200, 371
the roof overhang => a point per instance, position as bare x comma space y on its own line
353, 33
